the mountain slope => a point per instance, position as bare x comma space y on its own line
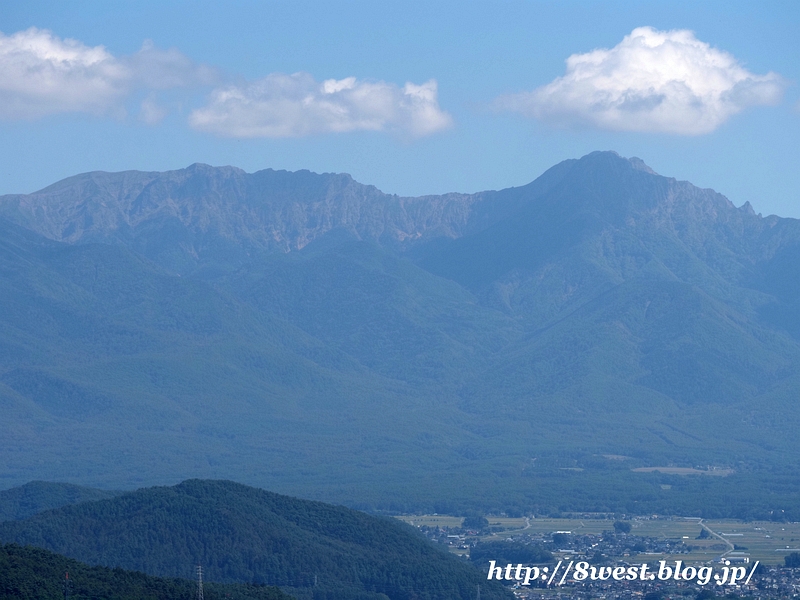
109, 357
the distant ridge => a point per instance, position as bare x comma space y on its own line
180, 217
37, 496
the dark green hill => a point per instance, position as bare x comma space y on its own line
37, 496
28, 573
242, 534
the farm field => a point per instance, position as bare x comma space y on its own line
765, 541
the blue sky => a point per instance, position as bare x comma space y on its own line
413, 97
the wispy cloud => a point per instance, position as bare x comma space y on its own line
150, 111
296, 105
652, 81
42, 74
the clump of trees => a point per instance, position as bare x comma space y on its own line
622, 527
475, 521
792, 560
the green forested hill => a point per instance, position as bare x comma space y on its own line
28, 573
242, 534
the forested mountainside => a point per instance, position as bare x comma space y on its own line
242, 534
312, 335
28, 573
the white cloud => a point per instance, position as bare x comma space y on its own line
296, 105
41, 74
652, 81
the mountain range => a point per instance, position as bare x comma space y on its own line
517, 350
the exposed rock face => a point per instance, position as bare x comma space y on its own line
283, 211
203, 206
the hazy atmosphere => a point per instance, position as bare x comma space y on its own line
399, 301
